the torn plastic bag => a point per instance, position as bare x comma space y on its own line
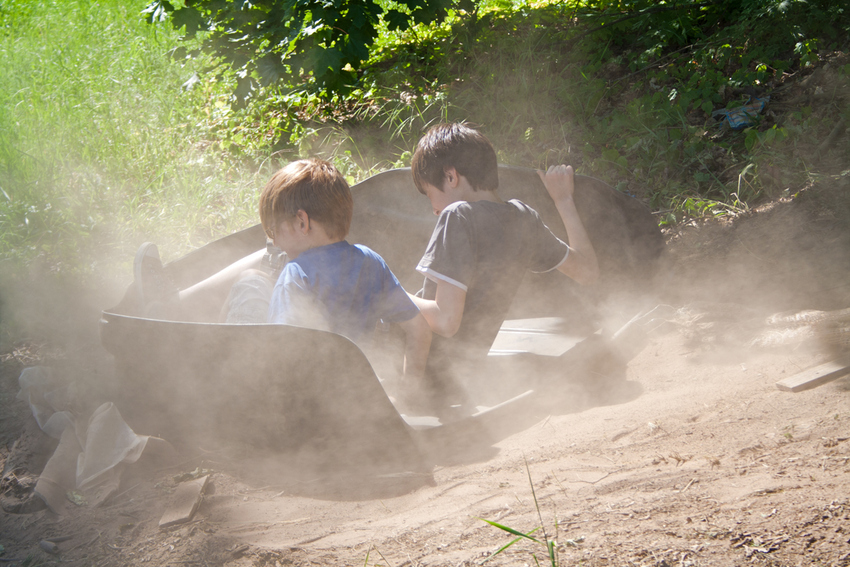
742, 116
47, 396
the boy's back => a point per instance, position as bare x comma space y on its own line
339, 287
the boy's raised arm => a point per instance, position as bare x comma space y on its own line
581, 264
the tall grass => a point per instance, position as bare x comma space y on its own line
101, 147
111, 136
104, 145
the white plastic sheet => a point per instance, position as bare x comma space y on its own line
89, 458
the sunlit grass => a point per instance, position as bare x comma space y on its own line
100, 145
104, 146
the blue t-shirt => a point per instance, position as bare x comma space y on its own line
343, 288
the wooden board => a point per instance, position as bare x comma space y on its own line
544, 336
481, 411
187, 498
817, 376
425, 422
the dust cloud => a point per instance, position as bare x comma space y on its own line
743, 281
234, 395
42, 306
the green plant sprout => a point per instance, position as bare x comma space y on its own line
369, 552
551, 545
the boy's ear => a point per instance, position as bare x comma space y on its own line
451, 176
302, 220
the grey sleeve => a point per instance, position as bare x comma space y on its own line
449, 256
548, 251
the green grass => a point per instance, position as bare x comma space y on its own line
100, 146
549, 544
103, 146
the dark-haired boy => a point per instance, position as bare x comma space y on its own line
482, 246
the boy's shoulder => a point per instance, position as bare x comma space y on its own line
485, 221
333, 253
369, 253
372, 259
471, 210
337, 262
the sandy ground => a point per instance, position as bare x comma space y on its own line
699, 460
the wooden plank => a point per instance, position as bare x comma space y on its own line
481, 410
420, 423
544, 336
186, 500
817, 376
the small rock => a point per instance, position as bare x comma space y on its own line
26, 504
49, 547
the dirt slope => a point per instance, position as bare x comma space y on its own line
698, 460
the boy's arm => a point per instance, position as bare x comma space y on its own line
417, 344
445, 312
581, 263
209, 295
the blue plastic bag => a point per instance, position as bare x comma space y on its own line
743, 116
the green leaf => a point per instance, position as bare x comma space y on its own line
750, 138
396, 20
610, 154
327, 60
190, 18
357, 16
501, 549
770, 135
271, 69
512, 531
157, 11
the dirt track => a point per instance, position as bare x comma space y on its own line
702, 460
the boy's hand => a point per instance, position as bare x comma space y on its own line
559, 181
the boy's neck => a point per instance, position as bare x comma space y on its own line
470, 195
308, 234
318, 238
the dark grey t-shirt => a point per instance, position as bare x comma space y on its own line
485, 249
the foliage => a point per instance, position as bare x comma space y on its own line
306, 43
627, 90
103, 144
112, 132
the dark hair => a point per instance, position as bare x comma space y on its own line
458, 146
313, 186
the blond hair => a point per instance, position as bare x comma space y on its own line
311, 185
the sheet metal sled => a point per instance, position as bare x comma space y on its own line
312, 396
